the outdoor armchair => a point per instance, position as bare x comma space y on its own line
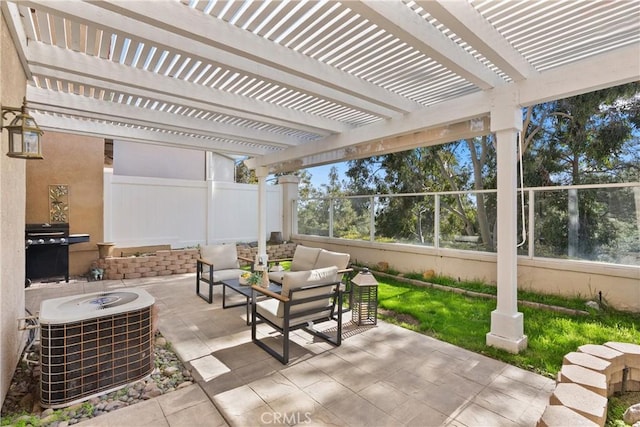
306, 297
217, 263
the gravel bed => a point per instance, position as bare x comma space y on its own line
22, 407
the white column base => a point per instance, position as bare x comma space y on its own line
507, 332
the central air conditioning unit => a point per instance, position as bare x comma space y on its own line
94, 343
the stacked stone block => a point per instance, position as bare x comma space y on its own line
274, 252
588, 377
179, 261
163, 263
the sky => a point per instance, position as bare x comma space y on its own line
320, 174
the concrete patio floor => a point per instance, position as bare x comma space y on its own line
382, 375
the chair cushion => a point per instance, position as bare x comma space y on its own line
298, 279
304, 258
221, 256
269, 310
329, 259
232, 273
276, 276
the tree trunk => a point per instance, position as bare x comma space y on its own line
483, 220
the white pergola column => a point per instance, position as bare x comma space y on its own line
261, 173
290, 192
507, 324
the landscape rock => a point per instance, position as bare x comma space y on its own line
593, 304
169, 375
632, 414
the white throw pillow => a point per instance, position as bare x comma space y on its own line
329, 259
304, 258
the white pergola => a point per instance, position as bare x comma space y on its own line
295, 84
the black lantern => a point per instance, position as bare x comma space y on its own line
24, 133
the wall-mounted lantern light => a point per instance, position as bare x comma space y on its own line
24, 133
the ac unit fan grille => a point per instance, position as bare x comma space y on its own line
85, 358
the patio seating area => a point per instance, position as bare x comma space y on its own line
380, 375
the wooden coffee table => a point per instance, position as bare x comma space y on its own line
245, 290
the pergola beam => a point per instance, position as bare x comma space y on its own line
465, 22
433, 136
88, 107
573, 79
217, 39
291, 68
54, 123
395, 17
47, 61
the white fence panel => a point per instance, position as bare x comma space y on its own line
140, 211
234, 212
156, 211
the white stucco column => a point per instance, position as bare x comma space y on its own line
507, 324
290, 193
261, 173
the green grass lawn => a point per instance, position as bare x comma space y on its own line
465, 320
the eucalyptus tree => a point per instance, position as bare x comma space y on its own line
585, 139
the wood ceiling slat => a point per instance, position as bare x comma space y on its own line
230, 9
263, 12
116, 51
162, 63
28, 22
217, 8
370, 51
287, 19
182, 68
329, 32
242, 18
93, 40
367, 65
146, 55
43, 29
388, 66
105, 45
345, 45
76, 36
193, 70
304, 21
314, 24
131, 52
201, 5
58, 36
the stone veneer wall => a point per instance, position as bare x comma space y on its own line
587, 378
177, 261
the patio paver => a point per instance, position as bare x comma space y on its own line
381, 375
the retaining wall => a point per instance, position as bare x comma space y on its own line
177, 261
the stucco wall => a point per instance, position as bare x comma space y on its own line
12, 206
77, 161
620, 285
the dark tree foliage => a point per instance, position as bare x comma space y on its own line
586, 139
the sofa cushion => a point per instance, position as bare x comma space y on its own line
329, 259
298, 279
222, 257
304, 258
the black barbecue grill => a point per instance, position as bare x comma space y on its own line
47, 250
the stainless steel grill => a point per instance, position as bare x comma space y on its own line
47, 251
